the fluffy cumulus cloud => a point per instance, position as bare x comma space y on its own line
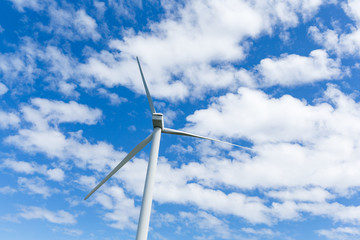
188, 53
284, 119
71, 24
290, 70
310, 147
64, 20
343, 43
315, 194
21, 67
125, 8
179, 52
35, 186
263, 232
55, 174
7, 190
113, 97
8, 120
318, 139
352, 8
58, 217
119, 209
174, 185
196, 184
3, 89
207, 222
341, 233
45, 137
42, 111
36, 5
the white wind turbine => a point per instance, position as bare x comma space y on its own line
158, 123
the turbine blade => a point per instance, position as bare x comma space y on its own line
122, 163
177, 132
146, 88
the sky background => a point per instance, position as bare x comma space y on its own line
281, 77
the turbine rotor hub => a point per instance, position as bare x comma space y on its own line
158, 120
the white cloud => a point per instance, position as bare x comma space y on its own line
352, 9
99, 156
178, 53
21, 67
56, 112
60, 69
261, 231
285, 211
186, 32
58, 217
86, 25
190, 38
315, 147
336, 211
179, 149
340, 233
288, 11
8, 120
276, 164
88, 181
187, 53
35, 186
35, 5
290, 70
3, 89
209, 223
125, 8
43, 136
7, 190
71, 24
301, 194
290, 210
68, 89
253, 115
120, 210
51, 142
68, 231
123, 213
113, 97
296, 144
64, 21
196, 184
164, 219
55, 174
23, 167
342, 42
172, 187
100, 8
73, 232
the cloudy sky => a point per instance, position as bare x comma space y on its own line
280, 77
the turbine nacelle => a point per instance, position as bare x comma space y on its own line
158, 120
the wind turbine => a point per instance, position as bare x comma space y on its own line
158, 124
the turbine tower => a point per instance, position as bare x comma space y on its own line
158, 124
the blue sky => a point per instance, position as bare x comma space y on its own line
281, 77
